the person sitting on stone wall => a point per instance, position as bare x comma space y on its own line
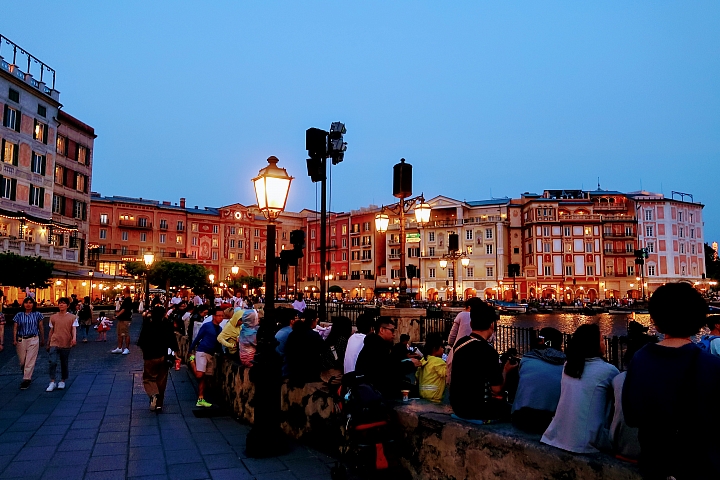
478, 377
672, 391
363, 324
538, 392
286, 319
303, 350
582, 420
376, 363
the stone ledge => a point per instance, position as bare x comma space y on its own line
442, 447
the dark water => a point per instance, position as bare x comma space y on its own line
610, 325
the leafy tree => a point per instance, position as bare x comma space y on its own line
168, 274
236, 284
20, 271
712, 263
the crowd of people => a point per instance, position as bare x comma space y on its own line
658, 413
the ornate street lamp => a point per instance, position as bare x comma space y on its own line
453, 256
234, 269
272, 186
148, 260
402, 188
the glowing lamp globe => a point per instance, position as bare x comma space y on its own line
465, 262
272, 186
381, 222
234, 269
148, 258
422, 213
443, 263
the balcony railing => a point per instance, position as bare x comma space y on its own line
44, 251
619, 235
369, 277
617, 251
135, 224
354, 277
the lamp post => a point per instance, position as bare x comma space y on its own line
148, 259
453, 256
272, 186
90, 274
402, 188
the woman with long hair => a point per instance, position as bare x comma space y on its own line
156, 338
28, 337
582, 419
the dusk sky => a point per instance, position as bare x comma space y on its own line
188, 99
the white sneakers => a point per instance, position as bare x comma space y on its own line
52, 386
125, 352
117, 350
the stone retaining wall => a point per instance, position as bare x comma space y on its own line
435, 445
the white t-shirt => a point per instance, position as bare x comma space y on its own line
299, 305
354, 345
218, 301
175, 300
197, 300
239, 302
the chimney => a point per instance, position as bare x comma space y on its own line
182, 202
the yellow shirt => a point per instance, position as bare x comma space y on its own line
431, 378
230, 333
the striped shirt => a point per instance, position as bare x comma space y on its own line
28, 323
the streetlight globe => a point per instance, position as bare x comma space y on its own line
272, 186
148, 259
381, 222
465, 262
211, 277
422, 213
234, 269
443, 263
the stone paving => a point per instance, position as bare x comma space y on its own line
100, 426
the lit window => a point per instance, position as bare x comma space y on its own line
178, 239
60, 145
103, 218
9, 153
40, 132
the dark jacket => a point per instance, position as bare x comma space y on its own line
383, 371
156, 337
303, 351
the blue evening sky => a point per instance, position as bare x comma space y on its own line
482, 98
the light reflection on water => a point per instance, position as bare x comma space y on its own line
567, 322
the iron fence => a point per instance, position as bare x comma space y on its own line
519, 338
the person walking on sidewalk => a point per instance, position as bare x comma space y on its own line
203, 362
156, 338
123, 318
28, 337
62, 337
84, 316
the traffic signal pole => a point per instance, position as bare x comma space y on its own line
323, 241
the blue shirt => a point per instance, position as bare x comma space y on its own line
281, 336
206, 340
28, 323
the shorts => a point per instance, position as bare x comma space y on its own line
123, 328
205, 362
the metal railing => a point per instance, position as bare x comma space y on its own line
519, 338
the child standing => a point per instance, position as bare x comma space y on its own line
104, 325
431, 374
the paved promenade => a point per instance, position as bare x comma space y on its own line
100, 426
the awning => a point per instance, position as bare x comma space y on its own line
48, 222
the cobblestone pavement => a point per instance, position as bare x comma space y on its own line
100, 426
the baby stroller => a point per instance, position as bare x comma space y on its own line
367, 444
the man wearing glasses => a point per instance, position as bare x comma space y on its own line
380, 368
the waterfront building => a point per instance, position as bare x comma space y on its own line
46, 160
671, 229
573, 245
482, 228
